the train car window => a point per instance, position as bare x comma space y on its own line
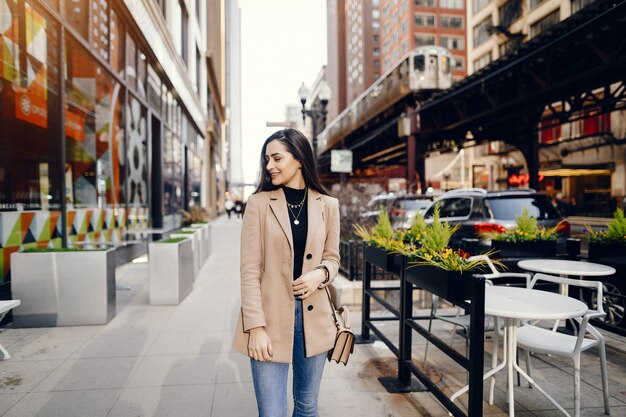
445, 64
419, 62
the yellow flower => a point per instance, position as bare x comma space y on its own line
428, 256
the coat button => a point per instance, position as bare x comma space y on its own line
310, 308
309, 256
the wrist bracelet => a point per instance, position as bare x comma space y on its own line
325, 272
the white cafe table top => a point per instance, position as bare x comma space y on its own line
525, 303
565, 267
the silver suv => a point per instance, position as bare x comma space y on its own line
477, 210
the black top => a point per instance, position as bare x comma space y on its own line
298, 231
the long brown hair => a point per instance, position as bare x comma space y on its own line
298, 145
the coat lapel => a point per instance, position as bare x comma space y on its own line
278, 204
315, 209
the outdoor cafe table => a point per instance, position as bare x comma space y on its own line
514, 304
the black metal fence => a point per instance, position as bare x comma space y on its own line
475, 294
351, 252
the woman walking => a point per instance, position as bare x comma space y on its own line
289, 252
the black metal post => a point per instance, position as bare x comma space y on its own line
365, 311
477, 347
406, 333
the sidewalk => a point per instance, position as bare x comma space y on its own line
177, 362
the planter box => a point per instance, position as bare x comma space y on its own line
389, 262
171, 272
522, 250
205, 230
196, 247
607, 252
450, 285
63, 288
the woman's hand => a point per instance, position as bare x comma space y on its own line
260, 345
304, 286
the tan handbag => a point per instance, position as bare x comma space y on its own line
344, 341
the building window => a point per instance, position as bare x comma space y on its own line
386, 29
404, 6
452, 42
376, 39
376, 51
483, 61
425, 20
386, 9
405, 46
510, 12
452, 22
376, 75
405, 25
452, 4
482, 31
395, 55
479, 5
577, 5
395, 36
117, 44
184, 36
458, 63
386, 45
545, 23
376, 63
423, 40
198, 62
376, 14
394, 19
376, 25
426, 3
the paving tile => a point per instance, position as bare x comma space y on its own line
168, 401
112, 343
175, 370
185, 343
23, 376
83, 403
9, 400
51, 343
90, 374
9, 335
234, 399
233, 367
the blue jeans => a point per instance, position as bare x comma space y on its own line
270, 379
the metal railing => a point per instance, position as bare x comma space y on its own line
475, 304
351, 252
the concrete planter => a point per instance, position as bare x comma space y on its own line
171, 271
205, 229
63, 288
196, 247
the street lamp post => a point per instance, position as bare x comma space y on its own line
316, 113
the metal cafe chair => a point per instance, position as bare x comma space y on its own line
533, 338
463, 320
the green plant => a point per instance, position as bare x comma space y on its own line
417, 230
381, 234
526, 230
434, 249
171, 240
616, 231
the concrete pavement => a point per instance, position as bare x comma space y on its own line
177, 361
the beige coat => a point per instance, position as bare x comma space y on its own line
267, 273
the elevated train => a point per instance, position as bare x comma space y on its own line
423, 69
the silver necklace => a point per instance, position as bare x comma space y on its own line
300, 205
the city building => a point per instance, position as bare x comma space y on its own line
233, 97
581, 153
112, 119
336, 50
408, 24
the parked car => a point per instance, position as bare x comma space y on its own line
401, 208
477, 210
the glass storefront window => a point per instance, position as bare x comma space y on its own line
76, 13
154, 89
131, 62
137, 151
117, 44
142, 74
30, 168
99, 28
94, 134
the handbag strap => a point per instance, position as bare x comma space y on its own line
340, 310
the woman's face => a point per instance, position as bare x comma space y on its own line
283, 168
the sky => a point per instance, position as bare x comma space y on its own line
283, 43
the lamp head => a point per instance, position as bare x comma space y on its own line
303, 93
